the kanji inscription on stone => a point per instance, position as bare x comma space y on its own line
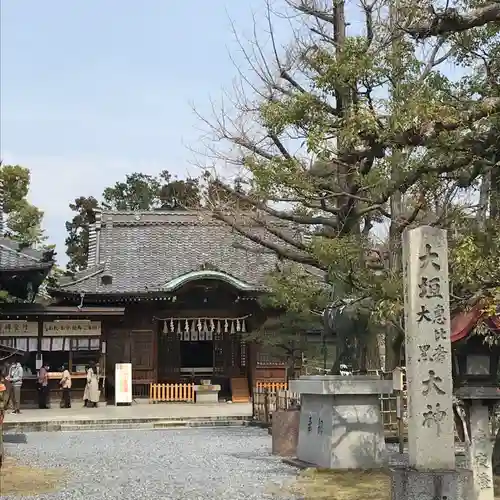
432, 384
433, 418
424, 315
438, 354
485, 481
480, 451
429, 257
430, 288
428, 349
320, 426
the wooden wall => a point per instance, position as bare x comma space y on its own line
133, 340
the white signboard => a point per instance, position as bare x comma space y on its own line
123, 383
18, 328
67, 328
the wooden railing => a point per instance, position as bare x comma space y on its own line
171, 393
141, 389
271, 386
265, 401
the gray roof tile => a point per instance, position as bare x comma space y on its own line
15, 256
142, 251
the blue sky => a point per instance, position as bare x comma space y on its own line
93, 90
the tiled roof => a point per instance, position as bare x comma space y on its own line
14, 256
143, 251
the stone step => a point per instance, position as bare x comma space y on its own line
103, 427
199, 423
144, 423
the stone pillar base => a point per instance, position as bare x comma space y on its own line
285, 432
409, 484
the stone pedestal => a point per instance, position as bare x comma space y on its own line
409, 484
285, 432
207, 393
341, 425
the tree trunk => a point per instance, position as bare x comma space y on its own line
392, 347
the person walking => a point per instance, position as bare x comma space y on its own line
15, 378
43, 387
91, 393
66, 388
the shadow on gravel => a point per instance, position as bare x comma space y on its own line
249, 456
15, 438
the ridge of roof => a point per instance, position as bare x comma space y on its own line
172, 217
80, 276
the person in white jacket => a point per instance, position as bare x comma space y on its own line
15, 378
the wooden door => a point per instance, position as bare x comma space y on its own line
117, 350
142, 350
226, 354
169, 356
220, 349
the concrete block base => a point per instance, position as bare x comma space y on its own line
409, 484
207, 397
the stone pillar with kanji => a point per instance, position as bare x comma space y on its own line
431, 437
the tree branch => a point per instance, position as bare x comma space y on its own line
280, 250
451, 21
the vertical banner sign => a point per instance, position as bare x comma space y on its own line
123, 383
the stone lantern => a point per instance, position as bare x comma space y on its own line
476, 383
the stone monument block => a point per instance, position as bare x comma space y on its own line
285, 432
341, 425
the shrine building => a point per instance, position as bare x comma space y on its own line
173, 293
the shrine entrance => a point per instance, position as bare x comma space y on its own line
193, 349
197, 355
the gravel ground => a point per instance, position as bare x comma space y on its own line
187, 464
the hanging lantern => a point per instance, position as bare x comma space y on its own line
226, 326
172, 326
165, 329
238, 325
243, 326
